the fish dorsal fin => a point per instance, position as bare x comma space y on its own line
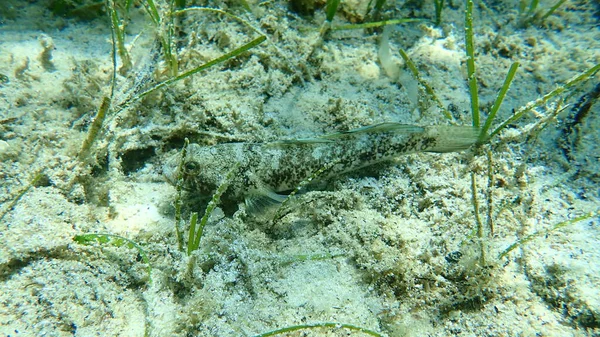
303, 141
378, 128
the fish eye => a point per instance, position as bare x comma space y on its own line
191, 166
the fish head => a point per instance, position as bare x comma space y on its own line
198, 171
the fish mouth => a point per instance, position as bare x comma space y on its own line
170, 170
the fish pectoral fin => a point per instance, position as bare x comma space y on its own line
262, 199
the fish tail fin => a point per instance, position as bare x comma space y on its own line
451, 138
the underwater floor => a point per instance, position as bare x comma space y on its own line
501, 239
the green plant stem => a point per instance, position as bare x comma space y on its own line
152, 11
439, 5
331, 8
209, 64
374, 10
220, 11
552, 10
545, 232
428, 89
320, 325
308, 257
533, 16
117, 241
206, 65
542, 100
478, 222
376, 24
278, 214
113, 35
19, 195
196, 235
94, 130
170, 57
178, 199
532, 7
490, 220
471, 75
192, 231
499, 99
119, 33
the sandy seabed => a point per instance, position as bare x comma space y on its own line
392, 249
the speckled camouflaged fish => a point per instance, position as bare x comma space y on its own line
267, 170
